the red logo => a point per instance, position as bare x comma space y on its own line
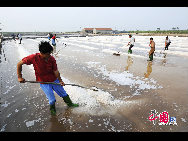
163, 118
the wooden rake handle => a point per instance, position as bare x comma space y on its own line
51, 83
58, 84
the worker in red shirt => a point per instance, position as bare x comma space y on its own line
46, 71
54, 43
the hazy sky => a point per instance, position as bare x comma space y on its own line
62, 19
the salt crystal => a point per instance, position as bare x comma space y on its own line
90, 120
16, 110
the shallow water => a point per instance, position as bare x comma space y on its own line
129, 86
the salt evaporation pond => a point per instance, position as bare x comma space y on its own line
129, 86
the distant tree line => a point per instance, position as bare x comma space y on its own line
173, 31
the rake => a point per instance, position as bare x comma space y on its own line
93, 88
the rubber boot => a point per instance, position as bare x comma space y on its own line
130, 51
69, 102
53, 109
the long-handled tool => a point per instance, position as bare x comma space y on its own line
162, 50
118, 52
60, 49
93, 88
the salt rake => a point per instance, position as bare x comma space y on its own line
93, 88
60, 49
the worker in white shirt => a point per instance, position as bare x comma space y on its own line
48, 36
167, 43
131, 43
20, 38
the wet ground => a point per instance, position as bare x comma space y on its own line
129, 87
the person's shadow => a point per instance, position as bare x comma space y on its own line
149, 69
129, 63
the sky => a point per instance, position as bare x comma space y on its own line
69, 19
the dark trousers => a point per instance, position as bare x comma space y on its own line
130, 51
20, 41
131, 46
151, 56
166, 48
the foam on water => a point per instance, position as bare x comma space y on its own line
31, 123
83, 46
9, 88
5, 105
3, 128
126, 78
94, 102
92, 64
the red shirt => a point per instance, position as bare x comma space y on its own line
44, 71
53, 37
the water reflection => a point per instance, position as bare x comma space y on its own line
164, 60
149, 69
56, 125
129, 62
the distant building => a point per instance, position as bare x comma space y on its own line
88, 30
98, 30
